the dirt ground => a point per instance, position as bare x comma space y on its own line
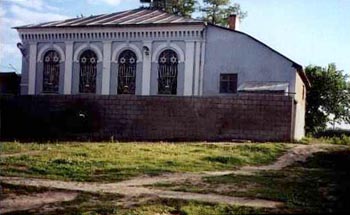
27, 202
135, 188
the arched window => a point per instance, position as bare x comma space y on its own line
51, 72
127, 72
88, 70
167, 72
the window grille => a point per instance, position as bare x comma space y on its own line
51, 72
88, 70
167, 73
127, 72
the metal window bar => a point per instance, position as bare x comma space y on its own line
127, 72
88, 70
51, 72
167, 73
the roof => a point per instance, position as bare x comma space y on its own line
264, 86
140, 16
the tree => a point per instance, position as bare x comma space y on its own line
328, 100
217, 11
185, 7
179, 7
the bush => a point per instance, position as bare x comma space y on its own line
333, 133
343, 140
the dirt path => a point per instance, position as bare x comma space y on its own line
298, 153
135, 191
27, 202
134, 187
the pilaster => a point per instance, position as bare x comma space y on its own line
146, 69
106, 71
32, 68
67, 89
189, 68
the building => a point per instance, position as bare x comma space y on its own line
151, 52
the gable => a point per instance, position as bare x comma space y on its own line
297, 66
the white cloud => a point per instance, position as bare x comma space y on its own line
7, 49
21, 15
32, 4
17, 13
2, 12
108, 2
38, 5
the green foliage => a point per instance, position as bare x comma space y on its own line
341, 140
213, 11
179, 7
194, 208
328, 99
217, 11
120, 161
180, 207
333, 133
185, 7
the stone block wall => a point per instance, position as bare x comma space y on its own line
255, 117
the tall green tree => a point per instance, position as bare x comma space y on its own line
179, 7
217, 11
185, 7
328, 100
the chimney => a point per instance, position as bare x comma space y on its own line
233, 22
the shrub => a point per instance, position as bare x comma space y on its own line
343, 140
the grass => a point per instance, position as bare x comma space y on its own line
121, 161
16, 147
101, 204
320, 185
341, 140
178, 207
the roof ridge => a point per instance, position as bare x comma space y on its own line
137, 16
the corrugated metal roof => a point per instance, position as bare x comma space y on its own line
263, 86
141, 16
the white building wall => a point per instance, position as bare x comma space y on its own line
102, 40
300, 98
233, 52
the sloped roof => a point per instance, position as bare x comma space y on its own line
140, 16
